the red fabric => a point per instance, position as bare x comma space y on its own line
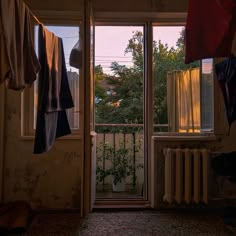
210, 29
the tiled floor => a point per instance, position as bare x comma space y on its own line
130, 223
145, 223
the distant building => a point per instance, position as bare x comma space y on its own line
73, 113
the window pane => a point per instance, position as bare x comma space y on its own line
182, 93
70, 36
119, 103
207, 95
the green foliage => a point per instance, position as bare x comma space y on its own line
120, 159
103, 153
123, 99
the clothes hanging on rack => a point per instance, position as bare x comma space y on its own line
53, 92
210, 29
18, 61
54, 95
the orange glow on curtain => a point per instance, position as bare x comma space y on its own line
183, 91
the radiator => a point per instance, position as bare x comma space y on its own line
186, 175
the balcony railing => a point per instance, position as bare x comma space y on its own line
114, 140
123, 142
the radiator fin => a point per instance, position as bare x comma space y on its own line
186, 175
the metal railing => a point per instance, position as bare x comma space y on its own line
128, 135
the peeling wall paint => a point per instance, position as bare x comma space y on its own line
50, 180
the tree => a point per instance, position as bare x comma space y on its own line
165, 60
124, 99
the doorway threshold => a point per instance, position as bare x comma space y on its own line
121, 203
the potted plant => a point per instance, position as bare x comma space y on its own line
103, 153
119, 166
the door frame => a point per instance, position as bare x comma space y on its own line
104, 20
2, 138
89, 133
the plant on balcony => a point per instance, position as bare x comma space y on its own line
103, 153
120, 166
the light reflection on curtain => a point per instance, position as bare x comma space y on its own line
183, 100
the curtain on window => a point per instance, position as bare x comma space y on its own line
183, 100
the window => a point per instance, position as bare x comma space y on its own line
70, 36
183, 94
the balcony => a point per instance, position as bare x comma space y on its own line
120, 161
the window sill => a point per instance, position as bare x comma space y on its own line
68, 137
185, 137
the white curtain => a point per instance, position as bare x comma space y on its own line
183, 101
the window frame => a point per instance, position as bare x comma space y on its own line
181, 21
148, 18
54, 18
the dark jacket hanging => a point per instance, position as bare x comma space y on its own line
54, 95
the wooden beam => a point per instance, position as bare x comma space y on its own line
2, 139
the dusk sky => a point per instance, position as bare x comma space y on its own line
111, 41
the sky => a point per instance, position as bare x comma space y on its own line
111, 41
69, 35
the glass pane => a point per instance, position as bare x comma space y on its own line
207, 120
183, 99
119, 102
70, 36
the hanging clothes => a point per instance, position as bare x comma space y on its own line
210, 29
226, 76
75, 58
54, 95
18, 61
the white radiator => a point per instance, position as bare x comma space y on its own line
186, 175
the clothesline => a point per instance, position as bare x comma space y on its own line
35, 18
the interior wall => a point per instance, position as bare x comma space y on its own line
47, 181
50, 180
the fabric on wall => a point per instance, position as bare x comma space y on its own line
210, 29
54, 95
18, 60
226, 76
183, 92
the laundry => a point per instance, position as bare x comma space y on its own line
54, 95
226, 76
75, 59
210, 29
18, 61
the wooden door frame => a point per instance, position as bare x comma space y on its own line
2, 138
88, 96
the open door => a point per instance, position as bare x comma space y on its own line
89, 126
